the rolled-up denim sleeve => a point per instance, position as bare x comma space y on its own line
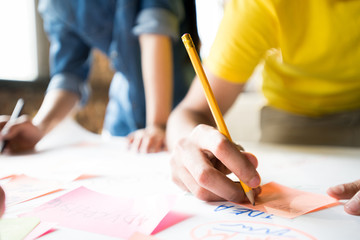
69, 54
71, 83
160, 20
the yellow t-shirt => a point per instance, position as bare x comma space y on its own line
310, 49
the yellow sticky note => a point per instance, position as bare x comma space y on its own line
17, 228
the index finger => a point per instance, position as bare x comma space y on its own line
15, 127
344, 191
225, 151
208, 183
3, 120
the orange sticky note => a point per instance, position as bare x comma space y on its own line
288, 202
140, 236
85, 176
23, 188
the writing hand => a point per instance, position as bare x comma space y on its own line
21, 136
148, 140
348, 191
200, 163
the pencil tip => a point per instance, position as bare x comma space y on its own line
251, 197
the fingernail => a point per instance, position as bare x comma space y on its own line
254, 182
339, 189
353, 205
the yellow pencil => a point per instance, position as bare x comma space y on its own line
194, 57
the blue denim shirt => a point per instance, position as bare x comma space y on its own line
74, 27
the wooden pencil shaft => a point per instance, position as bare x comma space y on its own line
214, 107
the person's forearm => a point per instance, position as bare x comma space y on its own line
157, 69
182, 121
56, 106
194, 109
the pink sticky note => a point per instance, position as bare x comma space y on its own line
22, 188
170, 219
87, 210
288, 202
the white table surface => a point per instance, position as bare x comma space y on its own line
71, 150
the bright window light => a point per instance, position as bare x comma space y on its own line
209, 15
18, 46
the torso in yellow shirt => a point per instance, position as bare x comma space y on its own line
310, 49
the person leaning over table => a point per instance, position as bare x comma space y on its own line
311, 80
152, 70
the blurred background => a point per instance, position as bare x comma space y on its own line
24, 60
24, 68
